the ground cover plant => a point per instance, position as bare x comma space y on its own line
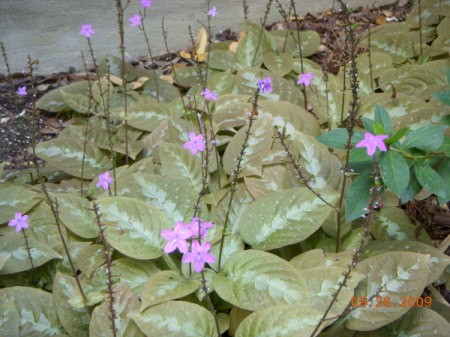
253, 193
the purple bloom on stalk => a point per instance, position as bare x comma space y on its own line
135, 20
104, 180
209, 95
199, 255
204, 225
195, 143
20, 222
87, 30
146, 3
22, 91
265, 85
212, 11
371, 142
305, 79
177, 237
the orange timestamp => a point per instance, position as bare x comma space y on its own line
387, 302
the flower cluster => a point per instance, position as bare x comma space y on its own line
305, 79
209, 95
87, 30
104, 180
20, 222
199, 254
212, 11
196, 143
146, 3
135, 20
265, 85
22, 91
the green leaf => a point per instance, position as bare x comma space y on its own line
155, 87
176, 319
178, 162
133, 227
337, 138
91, 258
172, 195
395, 172
382, 117
443, 96
437, 263
222, 60
321, 168
422, 322
391, 223
400, 275
74, 320
259, 142
428, 138
249, 52
15, 198
67, 153
37, 316
134, 273
284, 217
285, 320
430, 179
125, 304
76, 214
357, 197
282, 89
397, 135
253, 280
14, 246
145, 117
165, 286
280, 64
52, 101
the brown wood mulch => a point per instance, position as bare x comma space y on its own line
16, 125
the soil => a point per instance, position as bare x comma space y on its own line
18, 124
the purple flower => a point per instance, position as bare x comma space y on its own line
87, 30
22, 91
212, 11
204, 225
195, 143
20, 222
177, 237
104, 180
371, 142
305, 79
265, 85
135, 20
146, 3
199, 255
209, 95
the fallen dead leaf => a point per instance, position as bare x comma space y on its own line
139, 82
116, 80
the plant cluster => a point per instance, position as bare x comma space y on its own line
258, 196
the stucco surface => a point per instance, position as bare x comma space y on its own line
48, 30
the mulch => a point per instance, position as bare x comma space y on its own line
17, 122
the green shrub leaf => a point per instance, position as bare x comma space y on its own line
175, 319
133, 227
165, 286
253, 280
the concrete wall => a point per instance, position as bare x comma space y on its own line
48, 30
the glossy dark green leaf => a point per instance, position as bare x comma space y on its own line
395, 172
430, 179
382, 117
427, 138
357, 197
